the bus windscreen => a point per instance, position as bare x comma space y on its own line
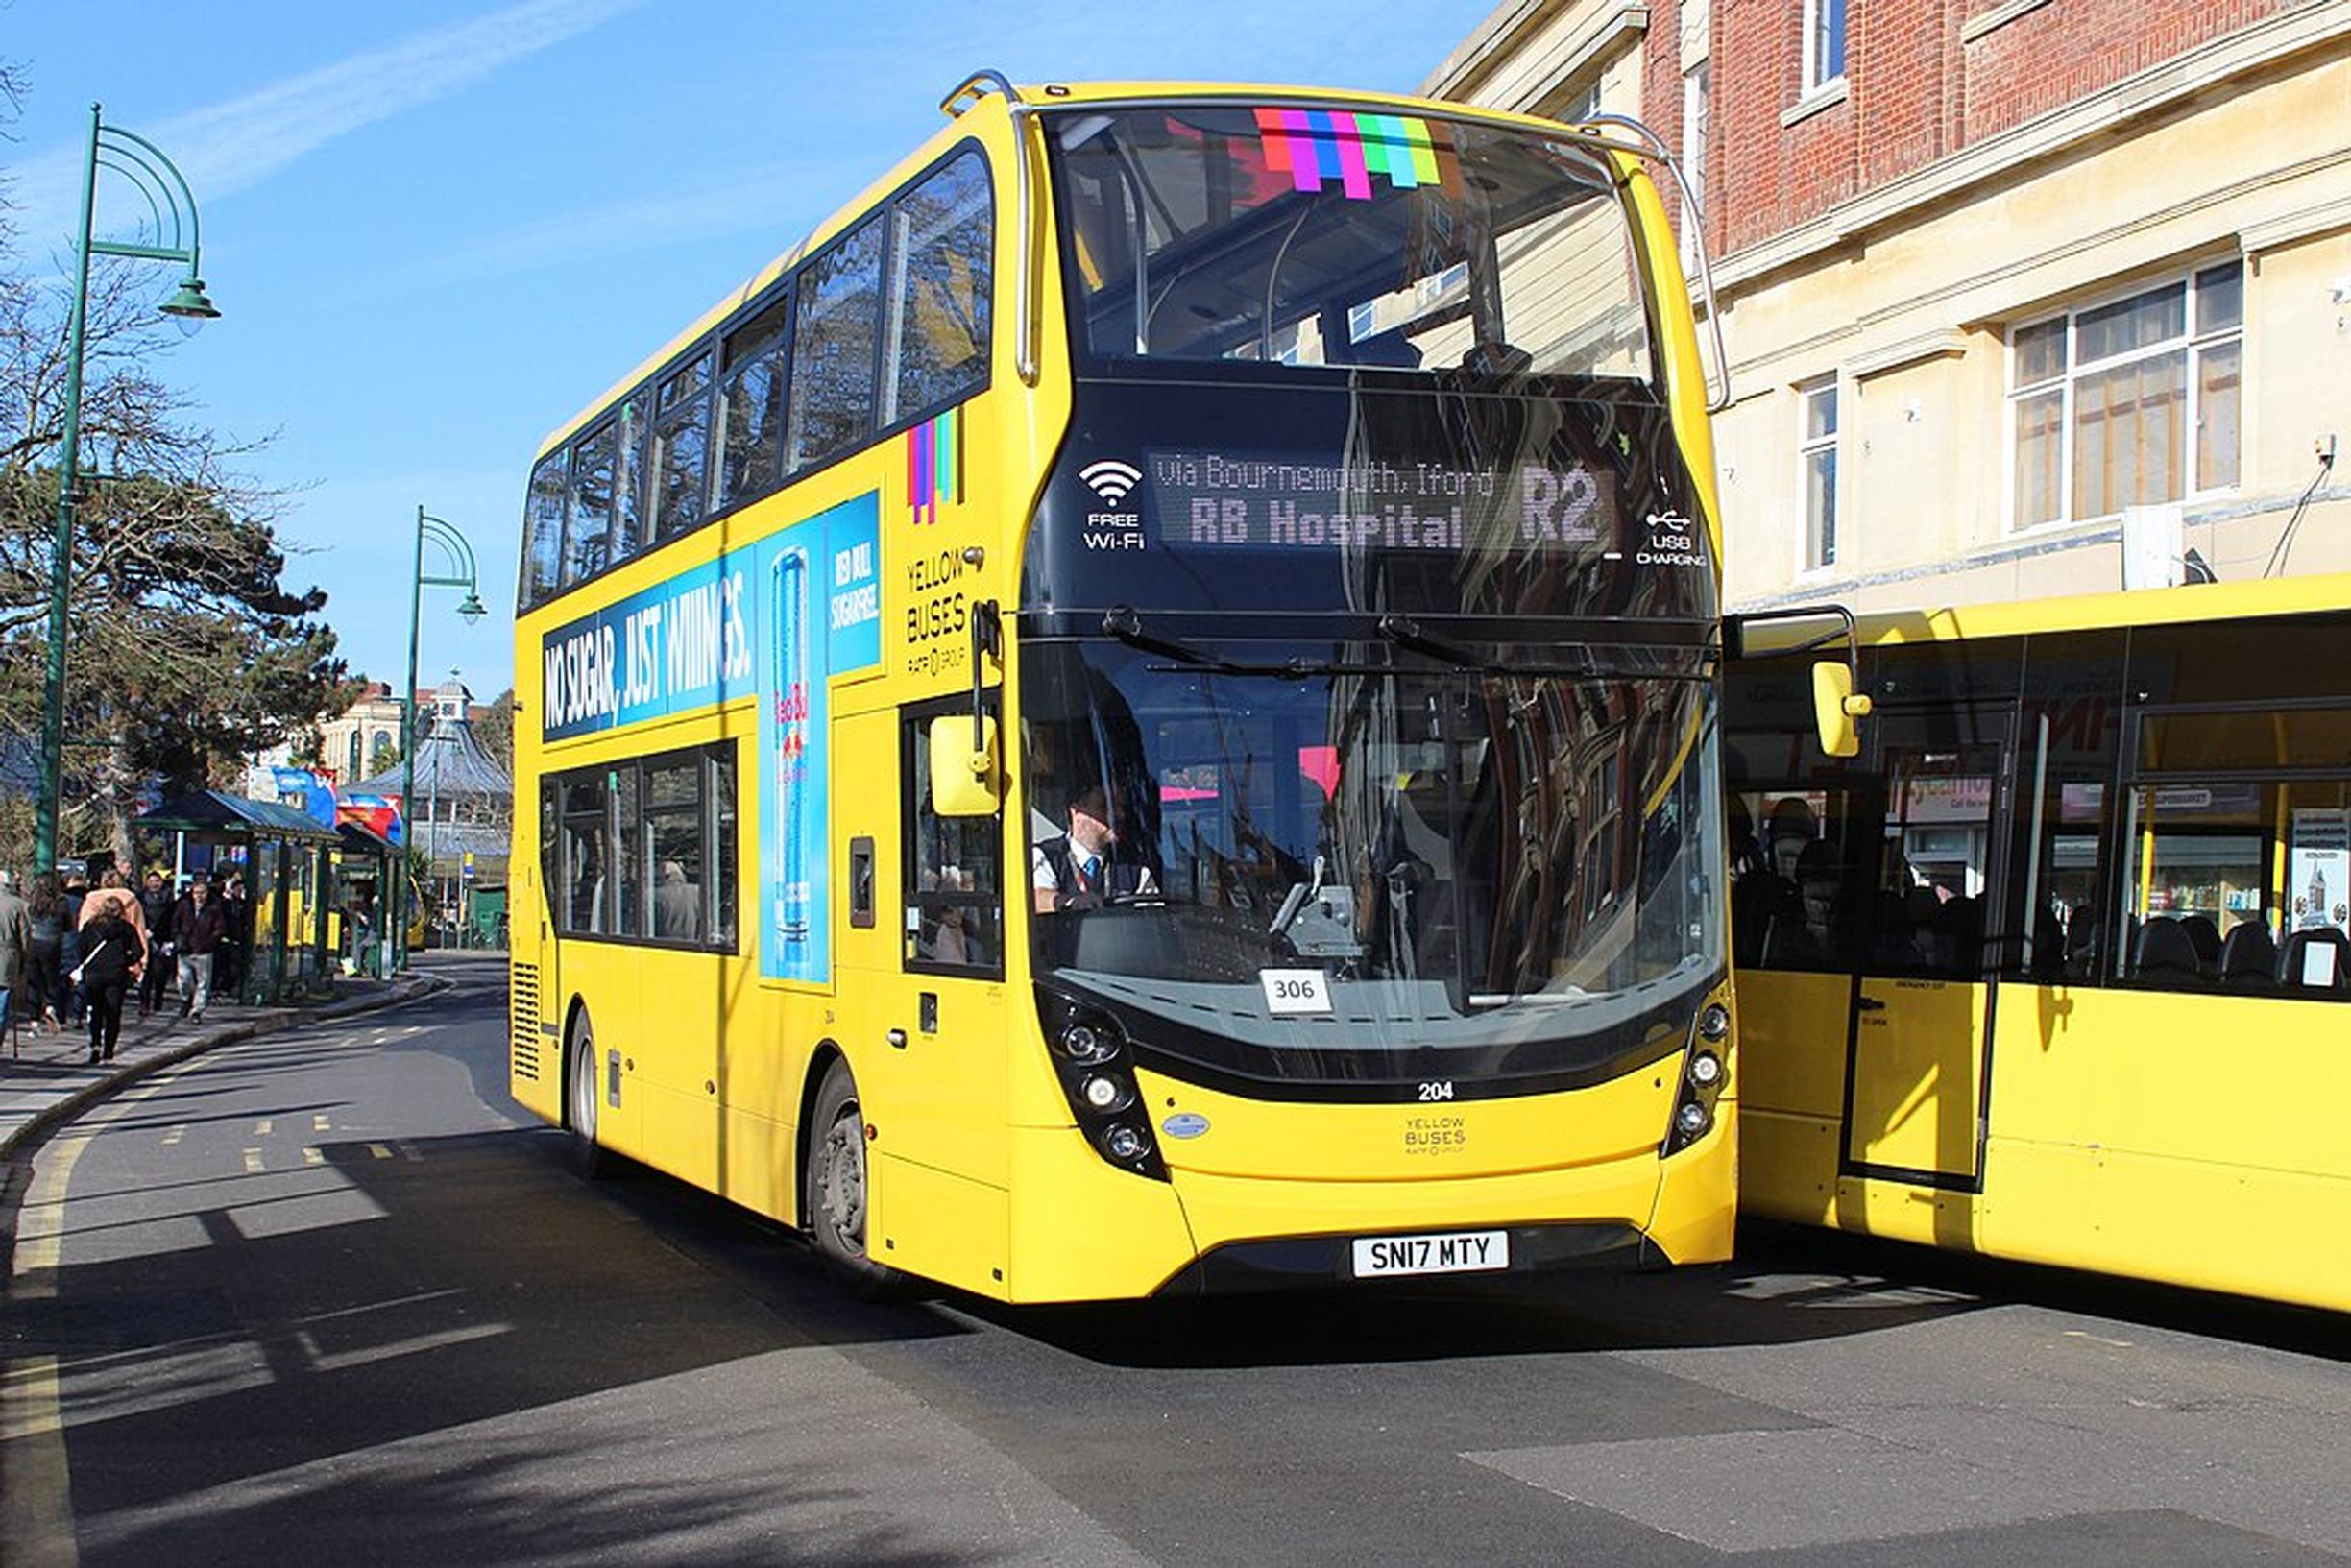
1325, 236
1483, 875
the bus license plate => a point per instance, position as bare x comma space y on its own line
1462, 1252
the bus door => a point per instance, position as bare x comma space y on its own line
1927, 862
944, 1018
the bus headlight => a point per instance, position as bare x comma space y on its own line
1105, 1092
1704, 1074
1088, 1043
1092, 1059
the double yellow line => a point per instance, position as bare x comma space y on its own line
36, 1526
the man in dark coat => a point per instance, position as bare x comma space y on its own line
198, 927
156, 909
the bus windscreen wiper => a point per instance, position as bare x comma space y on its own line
1123, 622
1407, 632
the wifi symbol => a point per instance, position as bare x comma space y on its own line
1111, 479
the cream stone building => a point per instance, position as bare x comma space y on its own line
2021, 297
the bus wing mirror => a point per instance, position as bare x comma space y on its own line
965, 780
1837, 710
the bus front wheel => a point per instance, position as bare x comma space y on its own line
834, 1184
580, 1103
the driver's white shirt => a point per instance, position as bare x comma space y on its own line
1089, 869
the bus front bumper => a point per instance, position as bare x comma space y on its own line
1302, 1262
1095, 1233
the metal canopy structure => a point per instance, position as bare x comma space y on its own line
287, 852
450, 767
215, 811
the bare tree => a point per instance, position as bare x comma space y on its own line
187, 649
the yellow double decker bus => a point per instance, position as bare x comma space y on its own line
1138, 713
2055, 967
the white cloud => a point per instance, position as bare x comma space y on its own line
228, 146
714, 205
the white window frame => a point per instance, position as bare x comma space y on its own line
1697, 92
1585, 102
1811, 563
1815, 80
2190, 341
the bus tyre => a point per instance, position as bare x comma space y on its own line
580, 1103
835, 1186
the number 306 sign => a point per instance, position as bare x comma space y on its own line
1296, 990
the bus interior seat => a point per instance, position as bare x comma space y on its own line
2082, 931
1757, 899
2165, 951
1788, 943
1959, 936
1894, 937
1491, 357
2247, 956
1391, 349
2296, 959
2206, 935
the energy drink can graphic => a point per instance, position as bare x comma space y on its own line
789, 873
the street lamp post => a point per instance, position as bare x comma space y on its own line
166, 192
460, 556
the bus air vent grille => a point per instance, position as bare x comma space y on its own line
525, 990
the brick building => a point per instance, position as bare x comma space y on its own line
2022, 297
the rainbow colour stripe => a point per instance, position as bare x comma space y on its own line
1312, 145
935, 465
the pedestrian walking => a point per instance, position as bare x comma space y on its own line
44, 947
69, 1005
114, 892
112, 953
236, 910
156, 911
198, 927
15, 938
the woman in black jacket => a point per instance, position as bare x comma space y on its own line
44, 944
112, 956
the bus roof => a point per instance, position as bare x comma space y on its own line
990, 108
2087, 611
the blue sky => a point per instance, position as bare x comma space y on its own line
436, 229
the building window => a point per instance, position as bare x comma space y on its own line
2131, 402
1694, 94
1823, 43
1816, 462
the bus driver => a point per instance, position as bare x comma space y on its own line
1088, 864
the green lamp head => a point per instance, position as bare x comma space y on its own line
190, 302
473, 610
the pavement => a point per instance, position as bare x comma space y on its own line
46, 1079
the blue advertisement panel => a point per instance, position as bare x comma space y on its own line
746, 623
676, 646
854, 612
821, 600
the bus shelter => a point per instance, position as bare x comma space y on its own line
354, 899
284, 856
